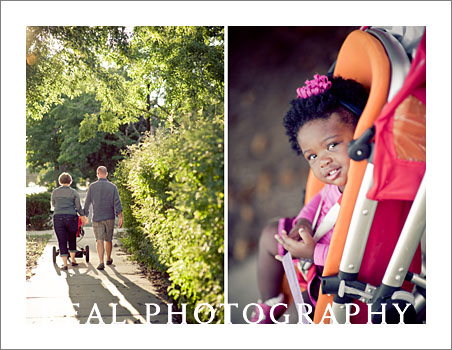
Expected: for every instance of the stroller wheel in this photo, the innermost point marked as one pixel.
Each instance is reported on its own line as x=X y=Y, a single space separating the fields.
x=87 y=253
x=54 y=254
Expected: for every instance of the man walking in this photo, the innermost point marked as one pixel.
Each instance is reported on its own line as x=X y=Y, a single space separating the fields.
x=104 y=197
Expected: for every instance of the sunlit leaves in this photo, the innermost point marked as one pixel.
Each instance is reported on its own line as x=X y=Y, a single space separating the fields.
x=159 y=73
x=73 y=60
x=88 y=127
x=183 y=62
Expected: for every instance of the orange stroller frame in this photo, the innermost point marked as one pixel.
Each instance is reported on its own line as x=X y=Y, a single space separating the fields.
x=352 y=273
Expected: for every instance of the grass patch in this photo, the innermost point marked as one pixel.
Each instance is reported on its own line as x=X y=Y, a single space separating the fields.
x=34 y=249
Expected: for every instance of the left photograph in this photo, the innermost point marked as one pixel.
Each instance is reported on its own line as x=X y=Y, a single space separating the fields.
x=125 y=175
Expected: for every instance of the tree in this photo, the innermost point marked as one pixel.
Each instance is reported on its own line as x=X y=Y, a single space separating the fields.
x=120 y=79
x=69 y=61
x=155 y=73
x=181 y=67
x=53 y=144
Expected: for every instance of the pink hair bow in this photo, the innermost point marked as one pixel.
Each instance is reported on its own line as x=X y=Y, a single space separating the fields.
x=319 y=84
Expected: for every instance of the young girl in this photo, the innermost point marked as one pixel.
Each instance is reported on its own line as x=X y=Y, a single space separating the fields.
x=320 y=125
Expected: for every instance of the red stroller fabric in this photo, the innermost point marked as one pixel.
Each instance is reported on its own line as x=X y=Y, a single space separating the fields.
x=79 y=227
x=402 y=178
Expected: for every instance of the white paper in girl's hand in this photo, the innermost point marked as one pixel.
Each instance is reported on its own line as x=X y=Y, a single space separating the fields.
x=291 y=275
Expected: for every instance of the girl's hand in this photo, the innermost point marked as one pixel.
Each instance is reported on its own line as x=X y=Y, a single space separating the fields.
x=303 y=248
x=305 y=224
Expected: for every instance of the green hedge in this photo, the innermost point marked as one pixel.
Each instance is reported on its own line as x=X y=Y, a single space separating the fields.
x=38 y=211
x=172 y=191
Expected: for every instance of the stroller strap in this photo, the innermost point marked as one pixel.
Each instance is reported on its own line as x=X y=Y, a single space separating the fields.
x=328 y=222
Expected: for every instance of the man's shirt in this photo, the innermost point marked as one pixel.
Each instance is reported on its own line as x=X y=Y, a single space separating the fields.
x=104 y=197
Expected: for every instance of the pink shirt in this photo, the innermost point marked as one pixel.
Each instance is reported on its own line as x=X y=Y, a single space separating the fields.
x=331 y=195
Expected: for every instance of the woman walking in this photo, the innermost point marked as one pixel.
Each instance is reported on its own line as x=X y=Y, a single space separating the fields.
x=66 y=210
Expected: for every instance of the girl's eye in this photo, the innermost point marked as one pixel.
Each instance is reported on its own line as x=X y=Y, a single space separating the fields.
x=312 y=156
x=332 y=145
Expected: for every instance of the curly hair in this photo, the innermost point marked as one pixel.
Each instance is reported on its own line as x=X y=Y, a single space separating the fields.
x=321 y=106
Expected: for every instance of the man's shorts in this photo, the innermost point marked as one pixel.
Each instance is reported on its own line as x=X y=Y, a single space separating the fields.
x=103 y=230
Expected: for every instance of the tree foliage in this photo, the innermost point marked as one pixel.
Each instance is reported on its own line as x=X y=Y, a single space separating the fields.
x=182 y=66
x=146 y=76
x=67 y=61
x=53 y=142
x=158 y=73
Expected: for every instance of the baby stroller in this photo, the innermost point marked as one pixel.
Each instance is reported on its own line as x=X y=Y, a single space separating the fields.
x=377 y=252
x=80 y=252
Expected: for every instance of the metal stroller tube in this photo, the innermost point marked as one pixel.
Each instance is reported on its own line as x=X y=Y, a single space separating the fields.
x=389 y=292
x=355 y=244
x=408 y=242
x=359 y=226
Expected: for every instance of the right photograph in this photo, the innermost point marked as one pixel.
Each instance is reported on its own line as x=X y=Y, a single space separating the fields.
x=326 y=164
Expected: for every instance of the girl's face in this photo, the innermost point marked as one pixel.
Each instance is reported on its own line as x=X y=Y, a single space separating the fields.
x=324 y=145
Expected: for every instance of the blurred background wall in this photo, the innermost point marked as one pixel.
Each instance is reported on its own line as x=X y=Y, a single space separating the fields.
x=266 y=178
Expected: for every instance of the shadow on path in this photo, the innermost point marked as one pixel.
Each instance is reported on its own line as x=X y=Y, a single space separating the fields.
x=81 y=294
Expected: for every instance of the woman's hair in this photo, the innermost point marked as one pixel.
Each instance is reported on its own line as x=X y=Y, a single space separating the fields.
x=65 y=179
x=343 y=92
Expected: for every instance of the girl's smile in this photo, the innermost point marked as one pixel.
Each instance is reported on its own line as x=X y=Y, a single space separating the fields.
x=324 y=145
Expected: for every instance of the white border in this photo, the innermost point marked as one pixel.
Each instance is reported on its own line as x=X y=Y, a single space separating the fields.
x=16 y=15
x=226 y=158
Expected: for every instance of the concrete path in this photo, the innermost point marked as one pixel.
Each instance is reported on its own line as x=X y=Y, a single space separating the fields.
x=81 y=294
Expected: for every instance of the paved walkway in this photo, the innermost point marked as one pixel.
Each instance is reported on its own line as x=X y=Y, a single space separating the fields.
x=118 y=293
